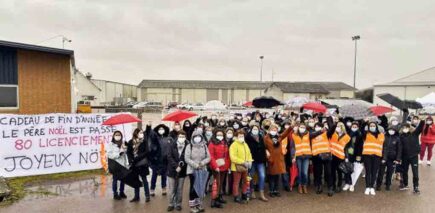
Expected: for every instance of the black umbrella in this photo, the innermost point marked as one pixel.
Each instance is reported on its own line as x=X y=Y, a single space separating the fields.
x=266 y=102
x=398 y=103
x=128 y=176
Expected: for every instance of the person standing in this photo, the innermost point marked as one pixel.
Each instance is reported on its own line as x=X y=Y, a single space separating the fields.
x=258 y=150
x=177 y=168
x=353 y=152
x=219 y=164
x=392 y=154
x=322 y=157
x=339 y=140
x=427 y=140
x=303 y=153
x=372 y=154
x=137 y=152
x=241 y=162
x=116 y=152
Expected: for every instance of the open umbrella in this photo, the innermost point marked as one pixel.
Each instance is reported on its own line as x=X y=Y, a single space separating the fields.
x=179 y=115
x=266 y=102
x=427 y=100
x=355 y=111
x=398 y=103
x=315 y=106
x=248 y=104
x=380 y=110
x=128 y=176
x=121 y=119
x=297 y=102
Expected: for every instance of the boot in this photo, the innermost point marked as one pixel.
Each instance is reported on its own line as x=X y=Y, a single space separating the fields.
x=135 y=200
x=262 y=197
x=319 y=189
x=300 y=190
x=221 y=199
x=237 y=199
x=304 y=189
x=330 y=192
x=122 y=195
x=253 y=196
x=277 y=194
x=216 y=204
x=244 y=198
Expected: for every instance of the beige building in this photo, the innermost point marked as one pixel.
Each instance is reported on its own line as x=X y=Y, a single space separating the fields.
x=407 y=88
x=115 y=93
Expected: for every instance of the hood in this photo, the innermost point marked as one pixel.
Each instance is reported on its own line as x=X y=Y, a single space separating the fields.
x=198 y=133
x=166 y=128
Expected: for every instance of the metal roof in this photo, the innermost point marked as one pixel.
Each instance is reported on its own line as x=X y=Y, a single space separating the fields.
x=423 y=78
x=35 y=48
x=301 y=87
x=331 y=86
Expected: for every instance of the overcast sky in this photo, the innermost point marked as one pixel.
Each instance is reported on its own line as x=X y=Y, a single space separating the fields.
x=301 y=40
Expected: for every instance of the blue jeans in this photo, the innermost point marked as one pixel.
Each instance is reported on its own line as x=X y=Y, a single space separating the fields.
x=146 y=188
x=285 y=180
x=156 y=172
x=258 y=168
x=115 y=186
x=303 y=163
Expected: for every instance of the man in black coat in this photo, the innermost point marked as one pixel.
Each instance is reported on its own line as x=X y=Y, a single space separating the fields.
x=391 y=155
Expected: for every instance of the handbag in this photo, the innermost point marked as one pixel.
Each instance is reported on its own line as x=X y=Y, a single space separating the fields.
x=143 y=162
x=242 y=167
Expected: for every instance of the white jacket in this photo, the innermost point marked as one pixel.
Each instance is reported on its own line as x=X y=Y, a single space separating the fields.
x=113 y=152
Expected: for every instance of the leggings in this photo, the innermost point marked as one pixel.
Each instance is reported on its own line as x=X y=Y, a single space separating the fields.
x=429 y=148
x=371 y=164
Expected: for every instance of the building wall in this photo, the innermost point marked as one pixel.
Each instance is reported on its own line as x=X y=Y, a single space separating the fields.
x=239 y=96
x=402 y=92
x=163 y=95
x=275 y=92
x=44 y=83
x=288 y=96
x=254 y=93
x=347 y=94
x=84 y=87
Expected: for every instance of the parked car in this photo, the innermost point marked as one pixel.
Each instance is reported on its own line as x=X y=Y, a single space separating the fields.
x=235 y=107
x=154 y=105
x=195 y=107
x=130 y=104
x=182 y=106
x=172 y=105
x=140 y=105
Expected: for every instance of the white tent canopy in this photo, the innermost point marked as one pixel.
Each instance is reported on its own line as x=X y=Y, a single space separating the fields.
x=214 y=105
x=427 y=100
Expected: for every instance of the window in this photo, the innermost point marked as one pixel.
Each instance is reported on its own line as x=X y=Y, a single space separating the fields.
x=8 y=78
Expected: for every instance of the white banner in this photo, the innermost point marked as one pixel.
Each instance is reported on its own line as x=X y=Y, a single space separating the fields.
x=53 y=143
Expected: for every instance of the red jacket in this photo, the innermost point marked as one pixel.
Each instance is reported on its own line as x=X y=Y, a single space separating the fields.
x=219 y=150
x=430 y=136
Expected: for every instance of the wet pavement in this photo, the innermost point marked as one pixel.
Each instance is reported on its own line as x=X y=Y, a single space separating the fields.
x=93 y=194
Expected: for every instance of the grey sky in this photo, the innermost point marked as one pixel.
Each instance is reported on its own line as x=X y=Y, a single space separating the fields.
x=221 y=40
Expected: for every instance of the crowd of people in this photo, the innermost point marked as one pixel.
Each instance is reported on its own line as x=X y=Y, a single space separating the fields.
x=238 y=155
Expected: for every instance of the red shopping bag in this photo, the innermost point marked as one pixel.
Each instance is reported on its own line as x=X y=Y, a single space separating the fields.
x=293 y=174
x=214 y=190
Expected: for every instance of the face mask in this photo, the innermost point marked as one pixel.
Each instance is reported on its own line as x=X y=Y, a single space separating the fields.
x=302 y=130
x=229 y=136
x=244 y=123
x=391 y=132
x=318 y=128
x=372 y=129
x=177 y=128
x=197 y=139
x=338 y=130
x=187 y=125
x=161 y=131
x=354 y=129
x=311 y=124
x=213 y=117
x=208 y=133
x=222 y=123
x=255 y=131
x=241 y=139
x=273 y=133
x=429 y=122
x=239 y=118
x=199 y=130
x=140 y=135
x=394 y=123
x=220 y=137
x=405 y=130
x=349 y=124
x=236 y=126
x=286 y=126
x=181 y=139
x=415 y=121
x=206 y=124
x=117 y=138
x=295 y=129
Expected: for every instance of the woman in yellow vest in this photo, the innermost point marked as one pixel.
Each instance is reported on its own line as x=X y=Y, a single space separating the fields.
x=301 y=140
x=322 y=157
x=339 y=140
x=372 y=154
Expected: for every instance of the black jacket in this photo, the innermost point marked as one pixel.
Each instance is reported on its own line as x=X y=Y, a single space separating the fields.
x=356 y=143
x=258 y=149
x=142 y=153
x=392 y=149
x=175 y=159
x=410 y=142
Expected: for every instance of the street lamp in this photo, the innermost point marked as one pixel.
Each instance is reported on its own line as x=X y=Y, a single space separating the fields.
x=355 y=38
x=261 y=68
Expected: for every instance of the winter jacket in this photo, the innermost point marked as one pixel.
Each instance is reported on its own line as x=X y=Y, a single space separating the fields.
x=257 y=148
x=392 y=147
x=197 y=155
x=354 y=148
x=239 y=154
x=176 y=159
x=276 y=162
x=410 y=142
x=142 y=153
x=219 y=150
x=117 y=154
x=428 y=136
x=164 y=141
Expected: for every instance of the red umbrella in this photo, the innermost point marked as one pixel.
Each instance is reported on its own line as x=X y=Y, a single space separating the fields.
x=316 y=107
x=248 y=104
x=293 y=174
x=121 y=119
x=179 y=116
x=380 y=110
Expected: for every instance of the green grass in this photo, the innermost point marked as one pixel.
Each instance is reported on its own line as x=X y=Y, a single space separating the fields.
x=18 y=185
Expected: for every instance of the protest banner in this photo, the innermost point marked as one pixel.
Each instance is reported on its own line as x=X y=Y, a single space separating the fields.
x=53 y=143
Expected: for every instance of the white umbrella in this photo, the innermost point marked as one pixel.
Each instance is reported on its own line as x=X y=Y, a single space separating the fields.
x=297 y=102
x=427 y=100
x=214 y=105
x=357 y=170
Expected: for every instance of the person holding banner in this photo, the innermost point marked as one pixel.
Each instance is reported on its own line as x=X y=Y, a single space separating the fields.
x=116 y=151
x=137 y=152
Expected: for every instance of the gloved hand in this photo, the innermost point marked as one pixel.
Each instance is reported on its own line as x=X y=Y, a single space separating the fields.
x=384 y=161
x=346 y=160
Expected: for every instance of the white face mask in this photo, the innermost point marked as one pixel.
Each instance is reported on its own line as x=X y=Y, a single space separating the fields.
x=236 y=126
x=220 y=137
x=140 y=135
x=229 y=136
x=394 y=123
x=197 y=139
x=372 y=129
x=429 y=122
x=206 y=124
x=391 y=132
x=255 y=131
x=181 y=139
x=301 y=130
x=338 y=130
x=286 y=126
x=354 y=129
x=241 y=139
x=406 y=130
x=222 y=123
x=208 y=133
x=161 y=131
x=244 y=123
x=295 y=129
x=349 y=124
x=311 y=124
x=318 y=128
x=415 y=121
x=273 y=133
x=117 y=138
x=199 y=130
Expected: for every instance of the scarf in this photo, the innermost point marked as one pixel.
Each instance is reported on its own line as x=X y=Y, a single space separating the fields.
x=136 y=143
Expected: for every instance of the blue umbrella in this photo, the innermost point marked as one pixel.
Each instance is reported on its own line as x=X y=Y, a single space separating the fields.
x=201 y=176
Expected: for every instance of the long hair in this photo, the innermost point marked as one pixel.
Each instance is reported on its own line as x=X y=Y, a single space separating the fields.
x=119 y=143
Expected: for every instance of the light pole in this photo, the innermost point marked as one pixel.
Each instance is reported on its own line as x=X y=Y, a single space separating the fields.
x=355 y=38
x=261 y=68
x=64 y=39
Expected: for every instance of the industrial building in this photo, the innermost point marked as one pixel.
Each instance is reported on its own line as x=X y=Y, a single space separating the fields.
x=407 y=88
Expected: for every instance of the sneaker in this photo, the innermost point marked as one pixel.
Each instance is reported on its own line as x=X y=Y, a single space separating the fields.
x=170 y=209
x=346 y=187
x=153 y=193
x=367 y=192
x=122 y=195
x=178 y=208
x=194 y=210
x=372 y=191
x=420 y=162
x=164 y=191
x=147 y=199
x=416 y=190
x=428 y=163
x=352 y=188
x=135 y=200
x=116 y=197
x=403 y=188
